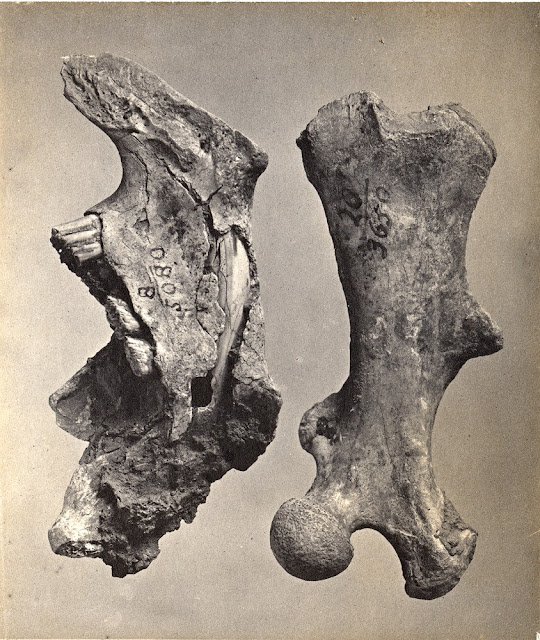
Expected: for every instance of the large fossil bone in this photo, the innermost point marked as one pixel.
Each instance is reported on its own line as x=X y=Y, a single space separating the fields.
x=181 y=394
x=398 y=193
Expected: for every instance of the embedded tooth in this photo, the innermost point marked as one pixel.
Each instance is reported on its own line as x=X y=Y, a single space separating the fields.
x=80 y=238
x=88 y=252
x=234 y=284
x=120 y=317
x=86 y=223
x=139 y=355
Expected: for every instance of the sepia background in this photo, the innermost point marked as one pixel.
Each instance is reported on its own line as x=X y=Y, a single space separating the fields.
x=266 y=69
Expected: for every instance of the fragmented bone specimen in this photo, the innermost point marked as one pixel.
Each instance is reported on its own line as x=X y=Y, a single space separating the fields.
x=181 y=394
x=398 y=193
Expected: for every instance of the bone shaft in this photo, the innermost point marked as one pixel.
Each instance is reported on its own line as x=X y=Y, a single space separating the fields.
x=398 y=193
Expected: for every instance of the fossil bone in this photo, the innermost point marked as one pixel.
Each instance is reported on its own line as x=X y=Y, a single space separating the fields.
x=181 y=394
x=398 y=193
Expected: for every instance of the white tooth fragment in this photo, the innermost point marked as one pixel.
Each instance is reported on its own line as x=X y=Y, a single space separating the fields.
x=120 y=317
x=86 y=223
x=88 y=252
x=139 y=355
x=80 y=238
x=234 y=285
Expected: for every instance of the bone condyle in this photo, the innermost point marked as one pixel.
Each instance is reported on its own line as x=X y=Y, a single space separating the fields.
x=398 y=192
x=181 y=394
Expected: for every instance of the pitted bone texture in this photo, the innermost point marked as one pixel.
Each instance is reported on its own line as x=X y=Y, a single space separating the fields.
x=398 y=193
x=181 y=394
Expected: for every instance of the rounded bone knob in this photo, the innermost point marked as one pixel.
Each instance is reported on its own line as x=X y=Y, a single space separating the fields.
x=309 y=542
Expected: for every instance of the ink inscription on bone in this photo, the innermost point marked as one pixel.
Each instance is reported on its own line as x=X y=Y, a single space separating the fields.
x=365 y=206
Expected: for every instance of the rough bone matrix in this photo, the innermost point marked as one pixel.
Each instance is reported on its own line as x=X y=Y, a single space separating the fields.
x=181 y=394
x=398 y=192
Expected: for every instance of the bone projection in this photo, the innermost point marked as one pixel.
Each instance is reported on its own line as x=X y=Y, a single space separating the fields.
x=181 y=394
x=398 y=193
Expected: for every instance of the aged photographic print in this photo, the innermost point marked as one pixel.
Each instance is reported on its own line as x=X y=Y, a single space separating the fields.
x=218 y=215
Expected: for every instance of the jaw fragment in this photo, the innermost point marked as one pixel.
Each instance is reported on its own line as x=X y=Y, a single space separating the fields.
x=181 y=394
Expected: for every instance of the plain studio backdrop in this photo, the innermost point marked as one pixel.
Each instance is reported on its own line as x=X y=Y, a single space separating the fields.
x=266 y=70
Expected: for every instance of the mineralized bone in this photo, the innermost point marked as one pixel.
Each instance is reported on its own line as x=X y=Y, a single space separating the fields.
x=181 y=394
x=398 y=193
